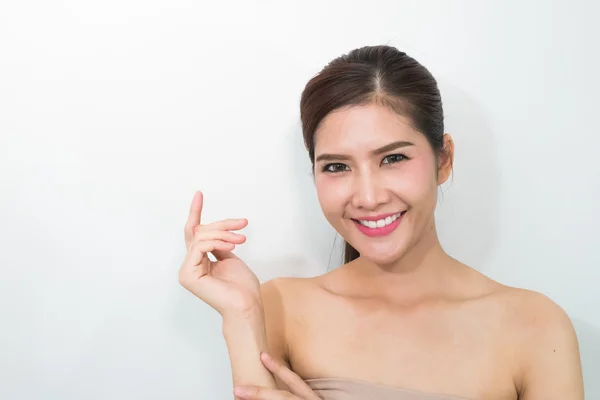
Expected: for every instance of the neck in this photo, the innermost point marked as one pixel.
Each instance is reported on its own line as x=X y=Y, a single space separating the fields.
x=424 y=269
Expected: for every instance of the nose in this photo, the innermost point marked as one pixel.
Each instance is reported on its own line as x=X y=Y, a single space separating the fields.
x=369 y=191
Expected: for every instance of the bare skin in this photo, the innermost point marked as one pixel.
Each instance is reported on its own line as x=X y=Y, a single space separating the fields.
x=481 y=341
x=404 y=314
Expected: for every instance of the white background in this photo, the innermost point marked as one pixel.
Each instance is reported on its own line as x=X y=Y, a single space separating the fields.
x=112 y=113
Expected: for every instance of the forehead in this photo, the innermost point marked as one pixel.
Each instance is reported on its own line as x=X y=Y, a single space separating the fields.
x=363 y=128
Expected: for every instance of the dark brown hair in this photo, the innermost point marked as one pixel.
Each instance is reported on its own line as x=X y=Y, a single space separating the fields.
x=373 y=74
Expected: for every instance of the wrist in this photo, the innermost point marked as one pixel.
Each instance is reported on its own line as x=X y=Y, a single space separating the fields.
x=250 y=318
x=247 y=313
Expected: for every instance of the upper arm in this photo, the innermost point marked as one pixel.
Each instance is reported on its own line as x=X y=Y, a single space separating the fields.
x=274 y=311
x=551 y=364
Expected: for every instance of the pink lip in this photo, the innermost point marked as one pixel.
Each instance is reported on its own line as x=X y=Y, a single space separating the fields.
x=383 y=231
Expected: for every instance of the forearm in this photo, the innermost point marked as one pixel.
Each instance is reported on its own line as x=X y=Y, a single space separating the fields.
x=246 y=337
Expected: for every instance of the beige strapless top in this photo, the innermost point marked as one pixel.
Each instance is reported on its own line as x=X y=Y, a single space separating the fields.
x=347 y=389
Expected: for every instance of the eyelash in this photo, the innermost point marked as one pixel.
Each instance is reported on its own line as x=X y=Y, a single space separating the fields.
x=401 y=156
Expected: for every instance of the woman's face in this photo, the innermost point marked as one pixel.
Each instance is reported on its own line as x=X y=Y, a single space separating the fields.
x=376 y=180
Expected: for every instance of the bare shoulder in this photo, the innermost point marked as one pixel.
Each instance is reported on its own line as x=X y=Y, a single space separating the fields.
x=526 y=310
x=533 y=313
x=531 y=319
x=287 y=291
x=280 y=294
x=545 y=343
x=283 y=299
x=539 y=335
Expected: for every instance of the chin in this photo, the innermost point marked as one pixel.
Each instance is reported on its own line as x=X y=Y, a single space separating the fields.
x=380 y=259
x=383 y=255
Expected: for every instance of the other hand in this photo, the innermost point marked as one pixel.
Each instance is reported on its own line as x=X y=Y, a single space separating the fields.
x=299 y=390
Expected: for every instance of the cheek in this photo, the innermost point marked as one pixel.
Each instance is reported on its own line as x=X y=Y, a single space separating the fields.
x=417 y=183
x=328 y=194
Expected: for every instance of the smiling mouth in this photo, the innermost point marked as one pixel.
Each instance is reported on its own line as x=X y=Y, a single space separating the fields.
x=381 y=222
x=381 y=227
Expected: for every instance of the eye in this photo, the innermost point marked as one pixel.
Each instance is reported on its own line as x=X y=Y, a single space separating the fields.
x=394 y=158
x=335 y=168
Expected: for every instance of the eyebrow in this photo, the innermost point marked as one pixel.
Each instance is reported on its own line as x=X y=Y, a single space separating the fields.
x=384 y=149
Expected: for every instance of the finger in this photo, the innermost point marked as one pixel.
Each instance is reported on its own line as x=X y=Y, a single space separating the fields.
x=198 y=251
x=260 y=393
x=224 y=225
x=225 y=236
x=193 y=269
x=203 y=247
x=221 y=255
x=195 y=214
x=292 y=380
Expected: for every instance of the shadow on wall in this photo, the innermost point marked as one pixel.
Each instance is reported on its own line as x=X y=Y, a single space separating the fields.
x=589 y=347
x=468 y=211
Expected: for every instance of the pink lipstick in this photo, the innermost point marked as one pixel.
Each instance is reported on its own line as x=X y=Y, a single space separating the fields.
x=380 y=230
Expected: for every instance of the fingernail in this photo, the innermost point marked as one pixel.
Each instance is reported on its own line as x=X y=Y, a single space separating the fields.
x=240 y=391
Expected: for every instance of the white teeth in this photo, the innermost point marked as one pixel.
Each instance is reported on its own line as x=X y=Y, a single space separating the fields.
x=380 y=223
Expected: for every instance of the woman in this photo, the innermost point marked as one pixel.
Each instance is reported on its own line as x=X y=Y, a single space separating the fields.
x=401 y=319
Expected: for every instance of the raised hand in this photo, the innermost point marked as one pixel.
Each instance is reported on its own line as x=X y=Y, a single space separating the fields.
x=227 y=284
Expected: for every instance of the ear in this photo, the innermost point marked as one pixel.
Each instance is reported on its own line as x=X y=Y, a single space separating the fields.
x=446 y=159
